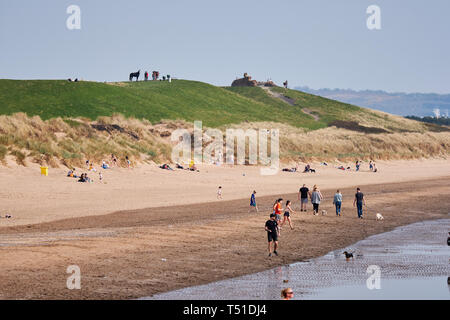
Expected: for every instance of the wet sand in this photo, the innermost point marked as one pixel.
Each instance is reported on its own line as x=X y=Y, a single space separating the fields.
x=138 y=253
x=412 y=261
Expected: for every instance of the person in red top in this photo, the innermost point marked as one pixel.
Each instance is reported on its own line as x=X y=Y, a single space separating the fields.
x=277 y=209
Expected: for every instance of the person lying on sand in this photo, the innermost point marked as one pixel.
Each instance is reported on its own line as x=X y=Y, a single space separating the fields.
x=179 y=166
x=166 y=167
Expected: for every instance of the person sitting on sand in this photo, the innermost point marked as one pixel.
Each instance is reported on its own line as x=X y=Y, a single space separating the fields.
x=71 y=173
x=307 y=168
x=193 y=167
x=105 y=165
x=82 y=178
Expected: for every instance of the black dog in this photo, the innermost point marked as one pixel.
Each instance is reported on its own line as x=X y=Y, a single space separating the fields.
x=135 y=75
x=348 y=255
x=312 y=170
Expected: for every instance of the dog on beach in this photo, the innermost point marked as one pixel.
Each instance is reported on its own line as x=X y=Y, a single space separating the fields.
x=324 y=212
x=312 y=170
x=379 y=217
x=348 y=255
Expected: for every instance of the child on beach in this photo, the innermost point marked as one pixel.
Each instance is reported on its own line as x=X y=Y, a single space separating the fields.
x=272 y=234
x=219 y=193
x=337 y=201
x=287 y=214
x=100 y=177
x=253 y=202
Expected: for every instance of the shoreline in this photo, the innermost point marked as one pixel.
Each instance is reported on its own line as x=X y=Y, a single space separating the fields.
x=139 y=253
x=386 y=250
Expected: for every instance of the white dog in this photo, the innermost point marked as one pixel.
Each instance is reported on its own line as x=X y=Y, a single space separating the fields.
x=379 y=217
x=324 y=212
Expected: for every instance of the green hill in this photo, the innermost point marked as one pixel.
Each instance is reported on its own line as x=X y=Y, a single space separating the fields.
x=181 y=99
x=92 y=120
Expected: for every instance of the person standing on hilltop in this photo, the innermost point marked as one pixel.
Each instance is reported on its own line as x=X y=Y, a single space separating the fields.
x=359 y=202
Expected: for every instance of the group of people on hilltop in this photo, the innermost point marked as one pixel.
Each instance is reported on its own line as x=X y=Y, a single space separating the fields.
x=155 y=76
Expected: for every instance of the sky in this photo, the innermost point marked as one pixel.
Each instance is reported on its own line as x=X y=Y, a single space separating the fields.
x=315 y=43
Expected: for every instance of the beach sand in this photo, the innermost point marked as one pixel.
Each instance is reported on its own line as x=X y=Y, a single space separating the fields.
x=31 y=198
x=149 y=231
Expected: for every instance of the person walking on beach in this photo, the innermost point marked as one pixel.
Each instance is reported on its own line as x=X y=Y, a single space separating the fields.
x=303 y=197
x=287 y=214
x=359 y=202
x=277 y=209
x=219 y=193
x=316 y=197
x=253 y=202
x=337 y=201
x=272 y=234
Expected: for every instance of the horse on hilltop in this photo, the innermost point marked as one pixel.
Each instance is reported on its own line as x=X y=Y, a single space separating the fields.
x=135 y=75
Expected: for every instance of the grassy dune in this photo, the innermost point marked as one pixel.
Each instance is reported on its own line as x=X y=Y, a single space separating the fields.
x=60 y=122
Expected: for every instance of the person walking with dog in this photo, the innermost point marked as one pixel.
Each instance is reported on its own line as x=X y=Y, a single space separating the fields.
x=303 y=197
x=337 y=201
x=359 y=202
x=316 y=197
x=272 y=234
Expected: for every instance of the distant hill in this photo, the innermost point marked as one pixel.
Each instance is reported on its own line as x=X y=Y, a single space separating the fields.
x=417 y=104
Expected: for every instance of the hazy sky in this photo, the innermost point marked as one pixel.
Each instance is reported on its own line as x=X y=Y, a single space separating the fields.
x=318 y=43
